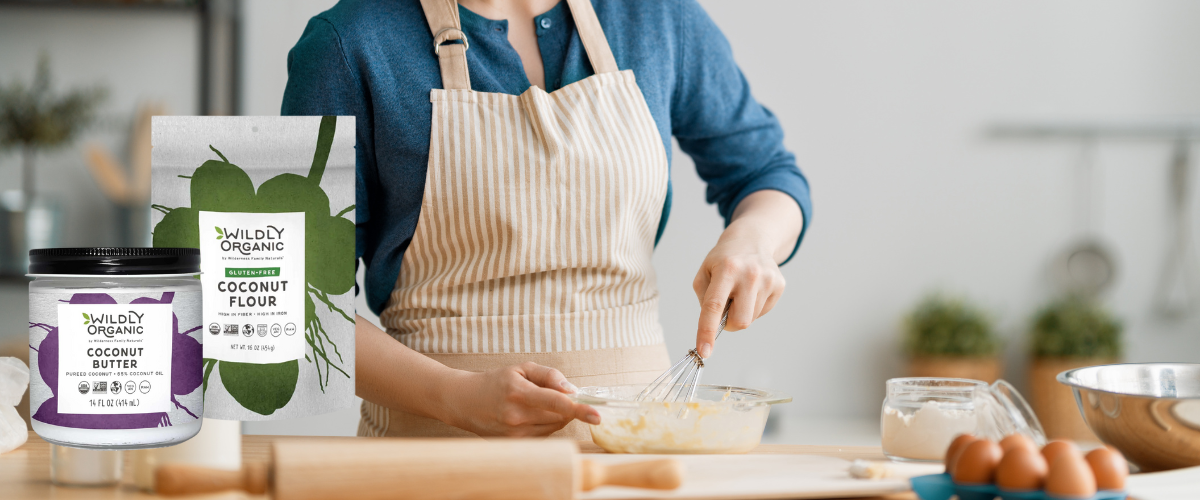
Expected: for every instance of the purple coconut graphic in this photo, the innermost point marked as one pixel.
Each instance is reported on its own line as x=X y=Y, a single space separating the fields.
x=186 y=355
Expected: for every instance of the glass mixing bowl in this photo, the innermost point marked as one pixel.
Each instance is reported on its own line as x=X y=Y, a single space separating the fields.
x=720 y=419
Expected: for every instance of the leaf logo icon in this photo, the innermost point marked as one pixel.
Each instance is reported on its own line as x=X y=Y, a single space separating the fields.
x=220 y=233
x=87 y=320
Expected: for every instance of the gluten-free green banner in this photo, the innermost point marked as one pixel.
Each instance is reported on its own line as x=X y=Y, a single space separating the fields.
x=251 y=272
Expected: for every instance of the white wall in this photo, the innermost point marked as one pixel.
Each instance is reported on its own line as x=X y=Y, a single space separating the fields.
x=886 y=106
x=269 y=30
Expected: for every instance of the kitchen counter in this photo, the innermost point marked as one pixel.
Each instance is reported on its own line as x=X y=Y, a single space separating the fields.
x=25 y=472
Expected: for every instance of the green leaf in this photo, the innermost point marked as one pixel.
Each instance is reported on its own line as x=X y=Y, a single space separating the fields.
x=209 y=363
x=87 y=319
x=220 y=233
x=210 y=146
x=180 y=228
x=260 y=388
x=324 y=144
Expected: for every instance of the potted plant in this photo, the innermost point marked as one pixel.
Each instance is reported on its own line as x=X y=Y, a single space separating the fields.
x=1069 y=333
x=34 y=118
x=949 y=337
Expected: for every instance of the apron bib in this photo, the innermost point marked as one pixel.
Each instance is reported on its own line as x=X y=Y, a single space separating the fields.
x=536 y=230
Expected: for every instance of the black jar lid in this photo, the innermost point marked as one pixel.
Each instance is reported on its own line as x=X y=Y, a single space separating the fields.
x=114 y=261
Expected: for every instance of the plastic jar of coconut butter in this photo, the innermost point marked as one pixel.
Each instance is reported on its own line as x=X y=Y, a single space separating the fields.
x=114 y=346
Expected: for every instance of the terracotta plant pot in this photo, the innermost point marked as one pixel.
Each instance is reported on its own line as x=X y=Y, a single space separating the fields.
x=985 y=369
x=1054 y=403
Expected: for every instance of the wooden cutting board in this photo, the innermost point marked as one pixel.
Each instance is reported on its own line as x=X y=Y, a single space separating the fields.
x=752 y=477
x=25 y=473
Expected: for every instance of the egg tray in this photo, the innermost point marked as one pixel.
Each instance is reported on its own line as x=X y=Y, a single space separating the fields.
x=941 y=487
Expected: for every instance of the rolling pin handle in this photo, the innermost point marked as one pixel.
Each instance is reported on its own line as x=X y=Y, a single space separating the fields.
x=665 y=474
x=176 y=480
x=256 y=477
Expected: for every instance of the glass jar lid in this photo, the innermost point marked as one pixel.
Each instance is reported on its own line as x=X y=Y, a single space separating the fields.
x=114 y=261
x=1004 y=411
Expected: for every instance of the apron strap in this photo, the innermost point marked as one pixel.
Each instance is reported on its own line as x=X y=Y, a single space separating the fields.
x=594 y=42
x=445 y=25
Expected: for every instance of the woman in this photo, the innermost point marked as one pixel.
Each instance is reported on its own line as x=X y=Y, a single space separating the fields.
x=512 y=182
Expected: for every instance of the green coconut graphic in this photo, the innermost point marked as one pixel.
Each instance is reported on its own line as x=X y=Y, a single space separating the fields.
x=221 y=186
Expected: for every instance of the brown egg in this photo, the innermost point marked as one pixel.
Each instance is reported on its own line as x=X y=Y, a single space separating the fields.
x=1013 y=440
x=1069 y=476
x=1021 y=469
x=977 y=462
x=1054 y=448
x=956 y=447
x=1110 y=468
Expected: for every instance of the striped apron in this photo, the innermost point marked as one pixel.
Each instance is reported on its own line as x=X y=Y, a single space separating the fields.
x=536 y=229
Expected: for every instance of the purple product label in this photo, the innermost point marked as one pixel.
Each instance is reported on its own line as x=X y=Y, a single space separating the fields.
x=115 y=361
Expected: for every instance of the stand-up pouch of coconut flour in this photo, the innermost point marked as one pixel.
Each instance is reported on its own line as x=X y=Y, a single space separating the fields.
x=269 y=201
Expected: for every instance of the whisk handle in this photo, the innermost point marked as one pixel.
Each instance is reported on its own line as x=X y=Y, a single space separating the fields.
x=724 y=318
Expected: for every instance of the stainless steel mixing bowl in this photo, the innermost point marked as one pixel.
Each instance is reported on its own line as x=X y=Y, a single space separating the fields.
x=1149 y=411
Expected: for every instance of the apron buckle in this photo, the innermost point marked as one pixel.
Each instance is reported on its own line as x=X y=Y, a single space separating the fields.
x=447 y=34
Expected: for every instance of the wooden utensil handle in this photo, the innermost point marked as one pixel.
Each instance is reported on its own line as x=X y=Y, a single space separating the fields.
x=173 y=480
x=665 y=474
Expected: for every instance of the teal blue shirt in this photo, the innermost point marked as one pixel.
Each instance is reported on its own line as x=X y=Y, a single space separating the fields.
x=374 y=59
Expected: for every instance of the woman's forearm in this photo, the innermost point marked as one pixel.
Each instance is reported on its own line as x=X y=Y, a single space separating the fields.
x=769 y=218
x=518 y=401
x=741 y=273
x=390 y=374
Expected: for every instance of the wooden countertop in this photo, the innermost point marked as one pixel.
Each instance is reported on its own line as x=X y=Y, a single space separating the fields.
x=25 y=472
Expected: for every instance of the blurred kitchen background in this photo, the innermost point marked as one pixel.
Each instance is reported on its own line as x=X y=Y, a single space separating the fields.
x=960 y=148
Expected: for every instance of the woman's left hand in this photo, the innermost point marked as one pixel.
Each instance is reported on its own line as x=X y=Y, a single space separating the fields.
x=743 y=266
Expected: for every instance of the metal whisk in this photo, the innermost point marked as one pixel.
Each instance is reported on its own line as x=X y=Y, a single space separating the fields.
x=683 y=377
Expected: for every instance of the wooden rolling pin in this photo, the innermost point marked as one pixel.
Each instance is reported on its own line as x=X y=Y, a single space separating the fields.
x=420 y=469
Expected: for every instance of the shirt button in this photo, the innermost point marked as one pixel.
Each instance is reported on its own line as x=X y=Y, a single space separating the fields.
x=546 y=23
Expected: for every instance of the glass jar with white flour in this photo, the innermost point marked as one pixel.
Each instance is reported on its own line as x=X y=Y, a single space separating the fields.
x=114 y=341
x=921 y=416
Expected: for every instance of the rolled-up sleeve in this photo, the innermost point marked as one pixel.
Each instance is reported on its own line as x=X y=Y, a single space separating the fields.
x=735 y=142
x=321 y=82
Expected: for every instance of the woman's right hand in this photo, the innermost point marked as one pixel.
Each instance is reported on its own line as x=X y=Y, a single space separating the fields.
x=515 y=401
